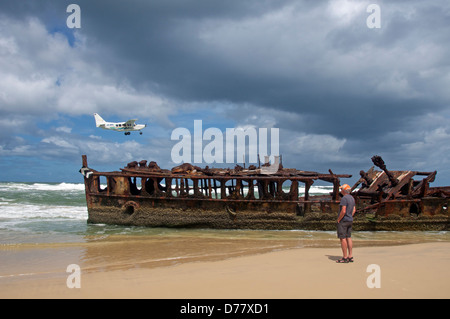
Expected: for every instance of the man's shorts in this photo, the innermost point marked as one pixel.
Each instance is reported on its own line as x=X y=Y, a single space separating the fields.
x=344 y=229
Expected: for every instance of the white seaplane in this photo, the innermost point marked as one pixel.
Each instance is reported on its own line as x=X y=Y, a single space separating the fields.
x=126 y=127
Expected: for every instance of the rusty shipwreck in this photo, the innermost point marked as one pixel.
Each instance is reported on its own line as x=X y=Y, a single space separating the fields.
x=142 y=194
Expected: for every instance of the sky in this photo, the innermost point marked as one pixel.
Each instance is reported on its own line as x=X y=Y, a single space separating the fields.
x=338 y=91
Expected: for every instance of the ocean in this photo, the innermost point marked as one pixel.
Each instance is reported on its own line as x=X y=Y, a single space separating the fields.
x=54 y=215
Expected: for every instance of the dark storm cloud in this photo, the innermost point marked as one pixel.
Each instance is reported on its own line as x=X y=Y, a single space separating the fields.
x=160 y=44
x=156 y=43
x=312 y=68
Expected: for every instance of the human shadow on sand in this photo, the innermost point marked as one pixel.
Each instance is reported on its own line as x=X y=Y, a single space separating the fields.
x=333 y=258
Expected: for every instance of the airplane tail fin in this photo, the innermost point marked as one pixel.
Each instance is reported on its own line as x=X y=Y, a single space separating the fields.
x=98 y=120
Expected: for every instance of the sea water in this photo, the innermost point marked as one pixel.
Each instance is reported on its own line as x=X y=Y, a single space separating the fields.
x=56 y=212
x=54 y=215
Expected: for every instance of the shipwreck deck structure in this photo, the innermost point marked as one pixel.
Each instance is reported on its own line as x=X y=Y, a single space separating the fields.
x=399 y=193
x=190 y=196
x=143 y=194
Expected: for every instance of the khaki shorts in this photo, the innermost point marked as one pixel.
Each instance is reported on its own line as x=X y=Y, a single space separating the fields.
x=344 y=229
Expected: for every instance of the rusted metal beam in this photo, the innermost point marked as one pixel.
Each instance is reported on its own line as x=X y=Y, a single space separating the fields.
x=378 y=161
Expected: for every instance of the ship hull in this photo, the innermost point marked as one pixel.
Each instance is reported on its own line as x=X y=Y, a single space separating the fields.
x=270 y=215
x=199 y=213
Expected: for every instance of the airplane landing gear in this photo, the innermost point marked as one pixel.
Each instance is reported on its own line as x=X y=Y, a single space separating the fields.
x=127 y=133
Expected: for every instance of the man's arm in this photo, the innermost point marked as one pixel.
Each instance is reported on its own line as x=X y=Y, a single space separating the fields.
x=342 y=214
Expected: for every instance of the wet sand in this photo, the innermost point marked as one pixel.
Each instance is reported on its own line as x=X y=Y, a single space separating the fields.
x=406 y=271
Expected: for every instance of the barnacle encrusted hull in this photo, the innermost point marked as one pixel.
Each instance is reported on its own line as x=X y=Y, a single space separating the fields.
x=146 y=215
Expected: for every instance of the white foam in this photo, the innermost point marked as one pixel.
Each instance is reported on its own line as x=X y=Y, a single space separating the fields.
x=317 y=189
x=41 y=187
x=301 y=189
x=27 y=211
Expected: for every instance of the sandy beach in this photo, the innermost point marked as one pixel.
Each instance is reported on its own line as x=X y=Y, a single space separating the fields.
x=405 y=271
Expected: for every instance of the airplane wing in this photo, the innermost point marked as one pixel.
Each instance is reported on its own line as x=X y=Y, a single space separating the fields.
x=130 y=122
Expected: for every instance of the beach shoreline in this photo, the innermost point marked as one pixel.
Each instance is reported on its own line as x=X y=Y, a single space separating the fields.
x=405 y=271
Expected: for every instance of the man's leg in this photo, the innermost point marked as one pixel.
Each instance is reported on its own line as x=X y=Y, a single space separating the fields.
x=349 y=246
x=344 y=246
x=349 y=241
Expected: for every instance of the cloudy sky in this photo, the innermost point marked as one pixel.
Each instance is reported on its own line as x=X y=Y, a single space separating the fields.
x=339 y=91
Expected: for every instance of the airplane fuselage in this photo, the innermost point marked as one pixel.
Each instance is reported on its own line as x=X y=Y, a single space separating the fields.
x=126 y=127
x=122 y=127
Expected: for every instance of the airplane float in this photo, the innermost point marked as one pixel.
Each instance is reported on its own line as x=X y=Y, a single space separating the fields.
x=126 y=127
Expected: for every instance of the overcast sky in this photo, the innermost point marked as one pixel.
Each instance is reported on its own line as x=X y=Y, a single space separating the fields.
x=339 y=91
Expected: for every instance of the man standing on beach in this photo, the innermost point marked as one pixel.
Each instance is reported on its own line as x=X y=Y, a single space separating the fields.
x=345 y=220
